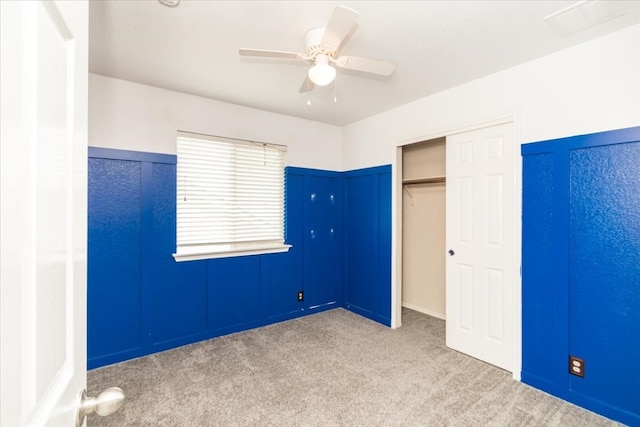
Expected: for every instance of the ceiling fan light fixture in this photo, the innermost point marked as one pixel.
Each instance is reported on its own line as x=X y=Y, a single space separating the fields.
x=169 y=3
x=322 y=46
x=322 y=73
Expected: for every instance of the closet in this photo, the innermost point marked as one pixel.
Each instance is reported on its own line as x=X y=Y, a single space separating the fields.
x=423 y=227
x=459 y=245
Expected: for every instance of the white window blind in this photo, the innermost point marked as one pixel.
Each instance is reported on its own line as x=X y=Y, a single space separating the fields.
x=230 y=197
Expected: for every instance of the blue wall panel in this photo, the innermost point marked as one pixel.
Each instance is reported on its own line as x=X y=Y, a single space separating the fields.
x=161 y=304
x=604 y=266
x=284 y=273
x=581 y=269
x=361 y=241
x=537 y=266
x=283 y=278
x=113 y=267
x=324 y=238
x=177 y=292
x=382 y=294
x=368 y=242
x=235 y=292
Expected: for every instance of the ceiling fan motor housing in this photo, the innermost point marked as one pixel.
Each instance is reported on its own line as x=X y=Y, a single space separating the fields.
x=312 y=44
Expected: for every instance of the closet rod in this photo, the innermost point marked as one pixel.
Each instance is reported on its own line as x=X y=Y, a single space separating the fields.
x=434 y=180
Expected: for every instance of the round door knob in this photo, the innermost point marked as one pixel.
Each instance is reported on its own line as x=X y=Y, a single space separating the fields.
x=451 y=252
x=107 y=402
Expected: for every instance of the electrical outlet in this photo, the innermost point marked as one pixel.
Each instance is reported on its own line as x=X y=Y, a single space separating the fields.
x=576 y=366
x=300 y=295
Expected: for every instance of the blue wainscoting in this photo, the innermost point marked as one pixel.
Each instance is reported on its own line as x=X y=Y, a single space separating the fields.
x=368 y=242
x=140 y=301
x=581 y=270
x=114 y=257
x=323 y=237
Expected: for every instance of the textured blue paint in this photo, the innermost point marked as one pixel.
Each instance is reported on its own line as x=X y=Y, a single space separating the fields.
x=160 y=304
x=134 y=156
x=284 y=273
x=176 y=291
x=581 y=253
x=367 y=242
x=383 y=273
x=604 y=265
x=235 y=291
x=361 y=240
x=113 y=266
x=323 y=237
x=537 y=266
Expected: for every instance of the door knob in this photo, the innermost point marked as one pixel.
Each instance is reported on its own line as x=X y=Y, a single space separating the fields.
x=107 y=402
x=451 y=252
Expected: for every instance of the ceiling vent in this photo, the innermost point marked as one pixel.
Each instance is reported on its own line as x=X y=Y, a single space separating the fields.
x=583 y=15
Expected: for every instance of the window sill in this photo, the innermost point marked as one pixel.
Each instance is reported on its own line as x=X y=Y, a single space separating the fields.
x=201 y=253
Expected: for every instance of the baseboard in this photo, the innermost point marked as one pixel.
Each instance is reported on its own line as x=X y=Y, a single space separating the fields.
x=368 y=314
x=425 y=311
x=605 y=409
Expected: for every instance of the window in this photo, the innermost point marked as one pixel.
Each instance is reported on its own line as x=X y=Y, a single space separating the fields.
x=230 y=197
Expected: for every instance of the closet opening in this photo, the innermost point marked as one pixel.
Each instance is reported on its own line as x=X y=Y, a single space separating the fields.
x=424 y=227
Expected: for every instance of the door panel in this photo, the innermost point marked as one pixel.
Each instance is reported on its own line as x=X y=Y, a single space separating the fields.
x=44 y=213
x=480 y=232
x=465 y=297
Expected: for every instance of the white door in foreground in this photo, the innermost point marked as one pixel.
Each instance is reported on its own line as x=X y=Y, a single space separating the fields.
x=480 y=243
x=43 y=210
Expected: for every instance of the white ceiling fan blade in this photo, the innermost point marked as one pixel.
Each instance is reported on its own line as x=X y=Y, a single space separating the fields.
x=307 y=85
x=270 y=54
x=339 y=26
x=366 y=65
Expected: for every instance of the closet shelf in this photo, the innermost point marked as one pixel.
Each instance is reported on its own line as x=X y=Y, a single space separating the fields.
x=430 y=180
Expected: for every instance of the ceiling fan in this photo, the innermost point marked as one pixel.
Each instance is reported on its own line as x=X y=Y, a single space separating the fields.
x=322 y=46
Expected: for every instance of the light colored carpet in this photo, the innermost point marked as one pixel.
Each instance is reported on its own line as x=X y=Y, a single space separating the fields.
x=330 y=369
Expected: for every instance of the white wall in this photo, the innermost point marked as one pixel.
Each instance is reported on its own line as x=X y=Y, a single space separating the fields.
x=589 y=88
x=130 y=116
x=592 y=87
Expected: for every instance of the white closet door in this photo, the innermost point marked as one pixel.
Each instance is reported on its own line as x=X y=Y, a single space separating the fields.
x=480 y=242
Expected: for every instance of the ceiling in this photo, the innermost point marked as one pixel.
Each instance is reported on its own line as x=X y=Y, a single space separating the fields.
x=193 y=48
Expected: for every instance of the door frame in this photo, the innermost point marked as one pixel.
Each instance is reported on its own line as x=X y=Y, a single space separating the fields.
x=396 y=224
